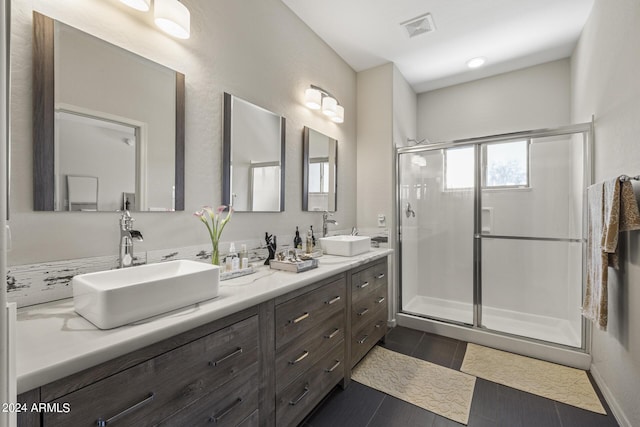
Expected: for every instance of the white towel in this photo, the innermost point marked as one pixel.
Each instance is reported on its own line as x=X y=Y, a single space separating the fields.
x=612 y=208
x=596 y=259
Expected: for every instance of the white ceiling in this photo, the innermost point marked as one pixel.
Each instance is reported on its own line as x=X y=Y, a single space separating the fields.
x=510 y=34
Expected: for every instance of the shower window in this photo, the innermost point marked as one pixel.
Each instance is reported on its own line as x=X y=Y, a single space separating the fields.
x=505 y=165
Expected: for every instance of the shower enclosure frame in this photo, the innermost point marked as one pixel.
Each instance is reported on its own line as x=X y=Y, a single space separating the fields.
x=587 y=130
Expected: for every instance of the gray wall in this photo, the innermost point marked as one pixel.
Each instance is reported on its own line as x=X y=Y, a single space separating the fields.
x=269 y=62
x=605 y=83
x=386 y=118
x=531 y=98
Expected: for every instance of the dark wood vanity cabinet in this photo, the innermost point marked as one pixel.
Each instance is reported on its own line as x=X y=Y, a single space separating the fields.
x=201 y=380
x=268 y=365
x=310 y=350
x=369 y=310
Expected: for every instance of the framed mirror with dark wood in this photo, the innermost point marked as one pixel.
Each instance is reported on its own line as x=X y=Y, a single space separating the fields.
x=319 y=172
x=108 y=125
x=253 y=153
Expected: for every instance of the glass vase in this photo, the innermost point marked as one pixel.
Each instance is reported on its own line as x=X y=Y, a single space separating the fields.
x=215 y=257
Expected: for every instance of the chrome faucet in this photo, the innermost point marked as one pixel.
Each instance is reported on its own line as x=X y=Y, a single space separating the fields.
x=326 y=221
x=127 y=236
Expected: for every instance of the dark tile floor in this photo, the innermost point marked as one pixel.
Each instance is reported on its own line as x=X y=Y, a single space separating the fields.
x=493 y=405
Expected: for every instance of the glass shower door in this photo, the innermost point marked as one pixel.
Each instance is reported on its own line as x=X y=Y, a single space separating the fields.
x=436 y=196
x=532 y=238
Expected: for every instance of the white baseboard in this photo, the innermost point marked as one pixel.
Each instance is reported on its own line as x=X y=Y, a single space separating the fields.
x=618 y=413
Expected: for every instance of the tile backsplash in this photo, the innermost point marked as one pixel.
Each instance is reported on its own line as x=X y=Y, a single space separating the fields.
x=31 y=284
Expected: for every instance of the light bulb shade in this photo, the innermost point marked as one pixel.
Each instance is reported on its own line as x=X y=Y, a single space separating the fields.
x=476 y=62
x=173 y=18
x=339 y=117
x=141 y=5
x=313 y=98
x=329 y=105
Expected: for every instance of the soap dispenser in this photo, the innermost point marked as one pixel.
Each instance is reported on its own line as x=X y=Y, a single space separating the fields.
x=313 y=238
x=244 y=257
x=297 y=241
x=232 y=261
x=309 y=241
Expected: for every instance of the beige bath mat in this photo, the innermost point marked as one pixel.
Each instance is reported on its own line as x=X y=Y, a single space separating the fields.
x=437 y=389
x=556 y=382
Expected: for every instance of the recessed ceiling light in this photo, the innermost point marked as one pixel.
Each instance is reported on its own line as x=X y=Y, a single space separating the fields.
x=476 y=62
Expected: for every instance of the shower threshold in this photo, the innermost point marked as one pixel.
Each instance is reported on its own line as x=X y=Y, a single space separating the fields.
x=543 y=328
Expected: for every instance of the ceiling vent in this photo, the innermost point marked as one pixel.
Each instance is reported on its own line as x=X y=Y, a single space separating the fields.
x=419 y=25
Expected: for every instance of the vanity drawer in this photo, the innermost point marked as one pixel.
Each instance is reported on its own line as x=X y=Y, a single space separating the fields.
x=160 y=387
x=308 y=311
x=367 y=309
x=306 y=391
x=364 y=339
x=298 y=355
x=368 y=281
x=229 y=405
x=252 y=420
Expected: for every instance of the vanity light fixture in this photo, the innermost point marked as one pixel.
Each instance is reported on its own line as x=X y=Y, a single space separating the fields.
x=329 y=106
x=339 y=116
x=317 y=98
x=313 y=98
x=173 y=18
x=141 y=5
x=476 y=62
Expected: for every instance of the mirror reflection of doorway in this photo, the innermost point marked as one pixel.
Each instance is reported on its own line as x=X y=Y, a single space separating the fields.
x=91 y=149
x=265 y=186
x=82 y=193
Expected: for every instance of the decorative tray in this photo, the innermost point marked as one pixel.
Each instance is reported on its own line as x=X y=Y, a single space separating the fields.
x=296 y=267
x=226 y=275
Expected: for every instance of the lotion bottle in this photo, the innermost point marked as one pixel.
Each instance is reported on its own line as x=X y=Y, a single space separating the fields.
x=232 y=259
x=244 y=257
x=309 y=241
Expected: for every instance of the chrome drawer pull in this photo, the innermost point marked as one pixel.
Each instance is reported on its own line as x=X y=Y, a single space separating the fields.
x=332 y=301
x=363 y=285
x=300 y=319
x=104 y=423
x=380 y=276
x=227 y=357
x=216 y=418
x=333 y=368
x=332 y=334
x=363 y=339
x=300 y=358
x=304 y=393
x=380 y=300
x=363 y=312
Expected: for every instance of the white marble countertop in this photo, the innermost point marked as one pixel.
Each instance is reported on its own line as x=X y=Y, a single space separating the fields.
x=53 y=341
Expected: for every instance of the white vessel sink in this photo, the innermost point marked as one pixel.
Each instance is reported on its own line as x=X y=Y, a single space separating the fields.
x=345 y=245
x=113 y=298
